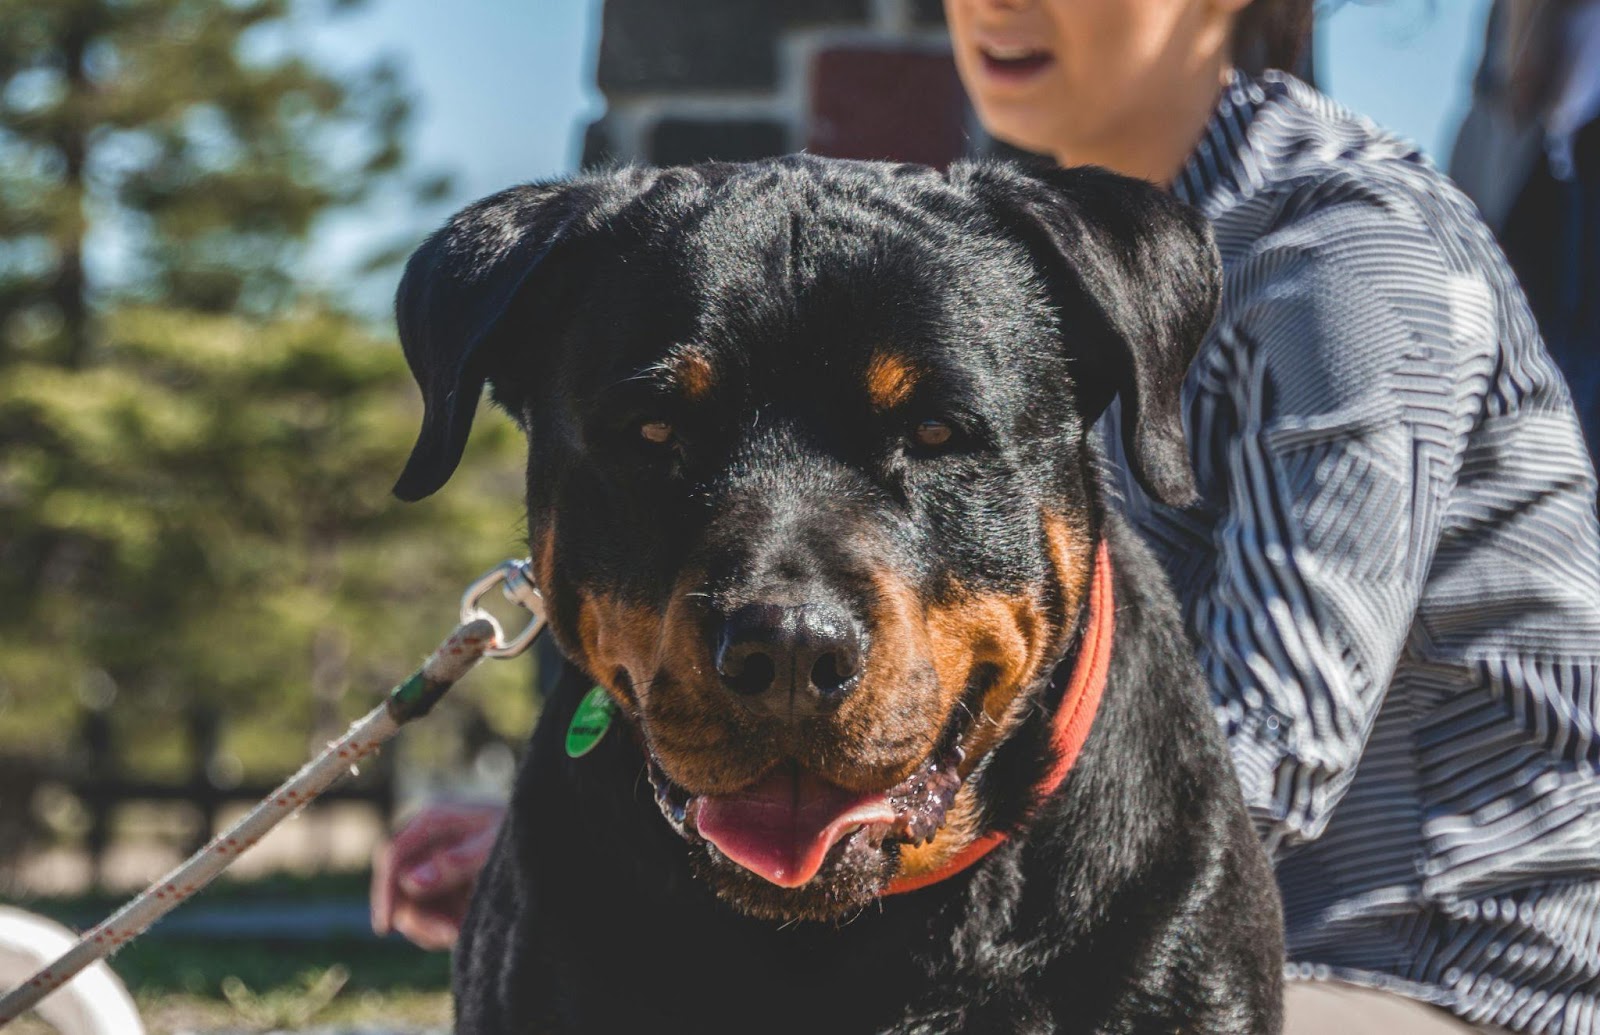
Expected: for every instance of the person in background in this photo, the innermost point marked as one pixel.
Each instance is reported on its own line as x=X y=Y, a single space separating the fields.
x=1393 y=577
x=1529 y=154
x=1392 y=580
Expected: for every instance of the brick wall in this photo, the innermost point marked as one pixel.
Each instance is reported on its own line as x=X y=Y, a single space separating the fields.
x=686 y=80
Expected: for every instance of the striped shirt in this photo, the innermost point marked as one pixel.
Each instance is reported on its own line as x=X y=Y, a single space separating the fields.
x=1393 y=580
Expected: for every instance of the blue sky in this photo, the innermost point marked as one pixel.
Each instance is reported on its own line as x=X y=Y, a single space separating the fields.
x=1405 y=63
x=505 y=87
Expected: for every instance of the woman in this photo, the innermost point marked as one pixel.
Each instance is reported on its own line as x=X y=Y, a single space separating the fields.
x=1395 y=562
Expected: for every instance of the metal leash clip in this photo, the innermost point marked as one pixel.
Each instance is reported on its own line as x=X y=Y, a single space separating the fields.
x=515 y=579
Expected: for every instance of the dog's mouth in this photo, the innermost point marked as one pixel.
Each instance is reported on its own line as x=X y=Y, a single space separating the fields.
x=784 y=827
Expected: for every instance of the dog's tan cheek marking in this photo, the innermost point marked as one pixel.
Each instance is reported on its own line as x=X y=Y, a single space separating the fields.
x=542 y=551
x=1071 y=550
x=890 y=381
x=897 y=704
x=972 y=629
x=1019 y=635
x=691 y=722
x=683 y=650
x=1022 y=634
x=618 y=641
x=1006 y=633
x=544 y=555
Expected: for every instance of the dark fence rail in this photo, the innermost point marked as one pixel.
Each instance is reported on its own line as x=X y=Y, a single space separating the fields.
x=95 y=775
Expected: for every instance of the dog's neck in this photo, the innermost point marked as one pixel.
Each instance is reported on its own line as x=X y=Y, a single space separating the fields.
x=1074 y=717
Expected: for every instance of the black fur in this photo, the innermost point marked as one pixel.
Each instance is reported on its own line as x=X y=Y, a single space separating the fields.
x=1135 y=899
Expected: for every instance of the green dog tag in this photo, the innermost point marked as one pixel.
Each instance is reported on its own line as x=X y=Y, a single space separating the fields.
x=590 y=722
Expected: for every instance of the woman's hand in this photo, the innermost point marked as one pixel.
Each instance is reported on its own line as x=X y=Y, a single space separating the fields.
x=423 y=879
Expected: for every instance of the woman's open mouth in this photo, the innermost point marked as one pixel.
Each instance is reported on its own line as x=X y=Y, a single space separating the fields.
x=783 y=827
x=1014 y=63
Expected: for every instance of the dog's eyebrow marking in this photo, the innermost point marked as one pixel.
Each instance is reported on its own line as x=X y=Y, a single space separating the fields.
x=689 y=368
x=890 y=380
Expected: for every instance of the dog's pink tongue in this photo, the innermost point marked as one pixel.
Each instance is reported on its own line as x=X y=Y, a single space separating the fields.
x=781 y=828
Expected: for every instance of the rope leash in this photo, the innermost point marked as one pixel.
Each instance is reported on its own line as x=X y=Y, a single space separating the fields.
x=478 y=636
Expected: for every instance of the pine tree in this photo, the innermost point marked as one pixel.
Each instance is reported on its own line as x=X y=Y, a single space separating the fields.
x=195 y=446
x=178 y=130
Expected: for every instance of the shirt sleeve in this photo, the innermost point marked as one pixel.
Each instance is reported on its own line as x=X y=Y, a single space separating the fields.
x=1328 y=419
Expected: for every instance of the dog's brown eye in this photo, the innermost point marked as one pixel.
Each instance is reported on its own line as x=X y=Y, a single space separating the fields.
x=657 y=431
x=932 y=433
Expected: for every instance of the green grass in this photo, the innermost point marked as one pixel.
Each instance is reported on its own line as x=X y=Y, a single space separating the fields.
x=204 y=968
x=190 y=982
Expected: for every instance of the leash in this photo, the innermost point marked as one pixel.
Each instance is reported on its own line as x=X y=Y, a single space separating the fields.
x=478 y=636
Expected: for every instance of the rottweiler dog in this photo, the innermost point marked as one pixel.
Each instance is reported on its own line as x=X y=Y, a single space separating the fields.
x=907 y=736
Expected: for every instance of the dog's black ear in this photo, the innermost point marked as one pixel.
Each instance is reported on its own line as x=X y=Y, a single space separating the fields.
x=458 y=289
x=1147 y=266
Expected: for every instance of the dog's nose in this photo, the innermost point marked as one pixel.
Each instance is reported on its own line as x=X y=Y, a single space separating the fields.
x=804 y=657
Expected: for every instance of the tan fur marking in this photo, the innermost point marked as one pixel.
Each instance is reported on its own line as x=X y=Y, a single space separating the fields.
x=694 y=728
x=694 y=374
x=616 y=636
x=1072 y=557
x=544 y=557
x=1009 y=633
x=895 y=715
x=1019 y=635
x=890 y=381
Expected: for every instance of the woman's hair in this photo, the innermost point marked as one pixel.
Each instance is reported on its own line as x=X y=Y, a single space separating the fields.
x=1271 y=34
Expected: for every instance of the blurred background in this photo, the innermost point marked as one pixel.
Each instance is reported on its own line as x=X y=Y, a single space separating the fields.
x=203 y=205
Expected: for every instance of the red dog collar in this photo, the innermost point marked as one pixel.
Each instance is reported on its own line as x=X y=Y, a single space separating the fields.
x=1079 y=702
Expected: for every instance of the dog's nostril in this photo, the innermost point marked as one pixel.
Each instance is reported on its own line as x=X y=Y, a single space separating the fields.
x=750 y=673
x=745 y=658
x=830 y=672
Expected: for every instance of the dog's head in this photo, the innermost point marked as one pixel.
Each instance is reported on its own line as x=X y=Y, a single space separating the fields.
x=808 y=477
